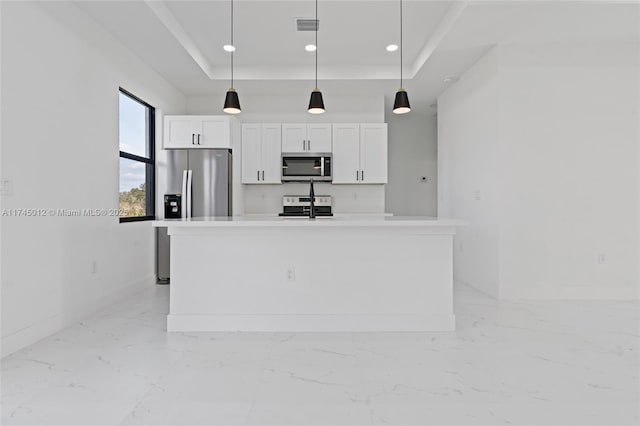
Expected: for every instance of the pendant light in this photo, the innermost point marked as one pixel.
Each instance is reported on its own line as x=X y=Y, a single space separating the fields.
x=231 y=101
x=401 y=104
x=316 y=104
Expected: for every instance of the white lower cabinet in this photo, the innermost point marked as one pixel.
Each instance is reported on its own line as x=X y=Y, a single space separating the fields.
x=261 y=153
x=360 y=153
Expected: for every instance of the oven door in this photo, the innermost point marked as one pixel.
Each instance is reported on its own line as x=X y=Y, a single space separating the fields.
x=305 y=166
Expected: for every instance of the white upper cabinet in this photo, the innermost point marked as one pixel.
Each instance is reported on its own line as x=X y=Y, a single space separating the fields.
x=261 y=149
x=294 y=137
x=197 y=131
x=346 y=153
x=271 y=153
x=373 y=153
x=360 y=153
x=319 y=137
x=306 y=138
x=251 y=153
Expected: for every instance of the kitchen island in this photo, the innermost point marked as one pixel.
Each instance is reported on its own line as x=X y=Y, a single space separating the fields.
x=342 y=273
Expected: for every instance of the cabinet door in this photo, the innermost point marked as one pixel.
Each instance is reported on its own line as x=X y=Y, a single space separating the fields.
x=346 y=153
x=178 y=131
x=294 y=137
x=271 y=153
x=214 y=132
x=251 y=153
x=373 y=153
x=319 y=137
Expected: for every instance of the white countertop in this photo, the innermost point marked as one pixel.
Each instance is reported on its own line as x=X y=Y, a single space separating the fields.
x=331 y=221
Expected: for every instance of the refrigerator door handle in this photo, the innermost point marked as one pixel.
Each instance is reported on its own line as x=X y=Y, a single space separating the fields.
x=183 y=212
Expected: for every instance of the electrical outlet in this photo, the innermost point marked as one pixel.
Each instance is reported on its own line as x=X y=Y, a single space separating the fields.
x=6 y=187
x=477 y=195
x=602 y=258
x=291 y=274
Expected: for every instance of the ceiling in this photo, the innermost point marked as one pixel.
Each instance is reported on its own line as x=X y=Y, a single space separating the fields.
x=182 y=40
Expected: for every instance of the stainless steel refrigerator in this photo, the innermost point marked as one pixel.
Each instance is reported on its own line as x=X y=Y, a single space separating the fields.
x=203 y=179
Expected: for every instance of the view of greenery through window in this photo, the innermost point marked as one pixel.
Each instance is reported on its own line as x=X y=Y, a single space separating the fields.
x=136 y=158
x=134 y=202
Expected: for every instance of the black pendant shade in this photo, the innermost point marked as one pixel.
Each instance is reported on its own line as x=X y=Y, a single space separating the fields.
x=316 y=104
x=401 y=104
x=232 y=102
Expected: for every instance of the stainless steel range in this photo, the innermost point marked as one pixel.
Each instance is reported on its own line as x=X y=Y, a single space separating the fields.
x=298 y=205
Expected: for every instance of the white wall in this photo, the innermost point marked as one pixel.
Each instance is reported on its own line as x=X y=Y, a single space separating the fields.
x=291 y=108
x=469 y=183
x=567 y=170
x=412 y=154
x=60 y=149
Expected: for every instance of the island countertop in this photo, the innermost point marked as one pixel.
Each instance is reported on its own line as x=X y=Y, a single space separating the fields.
x=355 y=220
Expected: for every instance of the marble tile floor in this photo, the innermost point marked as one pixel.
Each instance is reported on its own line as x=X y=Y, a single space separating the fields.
x=508 y=363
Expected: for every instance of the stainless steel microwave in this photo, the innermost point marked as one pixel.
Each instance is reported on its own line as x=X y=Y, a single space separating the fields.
x=303 y=166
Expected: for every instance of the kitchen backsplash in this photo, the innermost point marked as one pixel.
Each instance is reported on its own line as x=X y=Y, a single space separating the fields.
x=346 y=198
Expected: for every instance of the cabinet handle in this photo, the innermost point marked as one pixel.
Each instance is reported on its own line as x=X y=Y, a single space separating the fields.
x=357 y=175
x=263 y=175
x=193 y=142
x=258 y=172
x=304 y=145
x=198 y=138
x=362 y=175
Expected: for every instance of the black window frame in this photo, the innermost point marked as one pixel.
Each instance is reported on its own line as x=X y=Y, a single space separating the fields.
x=150 y=175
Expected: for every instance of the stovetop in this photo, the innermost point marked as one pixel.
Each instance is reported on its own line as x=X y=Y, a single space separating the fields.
x=300 y=214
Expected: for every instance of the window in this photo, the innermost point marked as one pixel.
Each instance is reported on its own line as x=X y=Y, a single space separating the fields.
x=137 y=162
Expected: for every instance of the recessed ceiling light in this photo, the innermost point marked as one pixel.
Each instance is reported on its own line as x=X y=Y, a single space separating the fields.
x=392 y=48
x=229 y=48
x=310 y=48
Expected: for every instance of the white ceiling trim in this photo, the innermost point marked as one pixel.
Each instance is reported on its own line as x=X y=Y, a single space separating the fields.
x=297 y=72
x=442 y=29
x=176 y=30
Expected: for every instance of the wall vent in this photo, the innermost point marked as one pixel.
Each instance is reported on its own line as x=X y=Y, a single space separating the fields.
x=307 y=24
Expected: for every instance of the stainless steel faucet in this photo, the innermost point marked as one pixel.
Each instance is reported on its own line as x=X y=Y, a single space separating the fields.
x=312 y=199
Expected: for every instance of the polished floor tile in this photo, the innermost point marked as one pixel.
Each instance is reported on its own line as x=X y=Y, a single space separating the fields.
x=519 y=363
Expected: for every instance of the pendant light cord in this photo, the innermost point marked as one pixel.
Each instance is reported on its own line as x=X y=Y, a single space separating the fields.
x=232 y=45
x=316 y=44
x=401 y=44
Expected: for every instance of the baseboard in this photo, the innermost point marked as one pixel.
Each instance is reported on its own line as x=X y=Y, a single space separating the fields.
x=311 y=323
x=566 y=292
x=45 y=328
